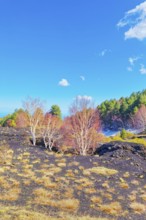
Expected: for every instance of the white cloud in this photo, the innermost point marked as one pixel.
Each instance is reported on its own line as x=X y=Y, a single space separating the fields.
x=142 y=69
x=82 y=78
x=136 y=19
x=63 y=82
x=132 y=60
x=103 y=52
x=89 y=98
x=129 y=68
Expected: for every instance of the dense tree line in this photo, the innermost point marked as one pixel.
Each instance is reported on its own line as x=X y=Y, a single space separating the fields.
x=117 y=114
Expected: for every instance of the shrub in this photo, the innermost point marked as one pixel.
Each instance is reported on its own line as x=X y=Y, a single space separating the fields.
x=126 y=134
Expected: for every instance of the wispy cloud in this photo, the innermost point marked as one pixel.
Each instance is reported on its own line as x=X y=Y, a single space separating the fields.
x=129 y=68
x=136 y=20
x=132 y=60
x=82 y=78
x=85 y=97
x=104 y=52
x=142 y=69
x=63 y=82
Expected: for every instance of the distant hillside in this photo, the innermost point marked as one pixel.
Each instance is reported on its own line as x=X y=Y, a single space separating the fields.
x=117 y=114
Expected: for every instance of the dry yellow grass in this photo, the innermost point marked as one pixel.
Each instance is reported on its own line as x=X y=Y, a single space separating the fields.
x=69 y=173
x=11 y=194
x=102 y=171
x=69 y=193
x=124 y=185
x=42 y=192
x=42 y=197
x=90 y=190
x=6 y=154
x=50 y=185
x=60 y=160
x=61 y=164
x=36 y=161
x=26 y=153
x=135 y=182
x=106 y=185
x=84 y=183
x=28 y=166
x=25 y=161
x=138 y=208
x=17 y=213
x=86 y=172
x=4 y=183
x=126 y=174
x=132 y=197
x=2 y=169
x=143 y=196
x=14 y=170
x=14 y=182
x=107 y=195
x=26 y=182
x=69 y=205
x=81 y=168
x=113 y=208
x=96 y=199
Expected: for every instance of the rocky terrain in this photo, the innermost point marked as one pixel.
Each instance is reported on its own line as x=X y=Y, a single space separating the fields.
x=38 y=184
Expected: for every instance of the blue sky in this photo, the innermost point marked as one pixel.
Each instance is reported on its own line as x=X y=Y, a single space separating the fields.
x=60 y=49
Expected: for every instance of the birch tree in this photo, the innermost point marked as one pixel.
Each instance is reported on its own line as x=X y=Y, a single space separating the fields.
x=34 y=109
x=84 y=124
x=51 y=130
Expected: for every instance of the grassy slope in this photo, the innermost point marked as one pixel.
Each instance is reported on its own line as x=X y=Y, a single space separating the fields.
x=37 y=184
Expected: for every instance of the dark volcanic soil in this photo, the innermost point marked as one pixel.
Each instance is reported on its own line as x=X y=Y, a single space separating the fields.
x=110 y=184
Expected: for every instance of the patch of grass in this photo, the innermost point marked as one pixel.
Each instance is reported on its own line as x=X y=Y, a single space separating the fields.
x=18 y=213
x=2 y=169
x=90 y=190
x=14 y=182
x=6 y=154
x=26 y=182
x=42 y=197
x=143 y=196
x=106 y=185
x=135 y=182
x=138 y=141
x=126 y=174
x=96 y=199
x=36 y=161
x=69 y=193
x=102 y=171
x=124 y=185
x=107 y=195
x=50 y=185
x=61 y=164
x=132 y=197
x=4 y=183
x=69 y=173
x=26 y=153
x=70 y=205
x=86 y=172
x=138 y=208
x=11 y=194
x=113 y=208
